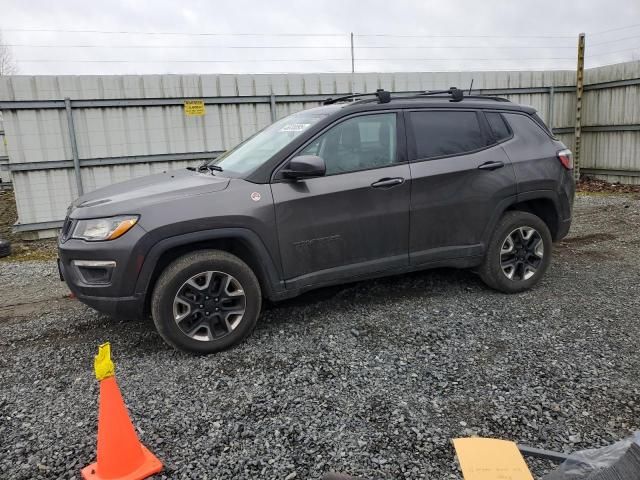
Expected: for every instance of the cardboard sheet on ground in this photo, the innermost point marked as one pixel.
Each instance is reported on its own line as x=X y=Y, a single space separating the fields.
x=490 y=459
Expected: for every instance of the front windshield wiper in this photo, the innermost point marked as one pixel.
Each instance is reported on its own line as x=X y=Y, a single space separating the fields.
x=204 y=167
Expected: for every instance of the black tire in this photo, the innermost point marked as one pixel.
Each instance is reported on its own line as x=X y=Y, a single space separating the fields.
x=173 y=281
x=491 y=271
x=5 y=248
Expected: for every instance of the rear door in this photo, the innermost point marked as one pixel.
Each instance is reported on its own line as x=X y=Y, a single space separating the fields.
x=461 y=179
x=354 y=220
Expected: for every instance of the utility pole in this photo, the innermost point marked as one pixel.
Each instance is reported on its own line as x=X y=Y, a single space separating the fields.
x=353 y=66
x=579 y=91
x=353 y=61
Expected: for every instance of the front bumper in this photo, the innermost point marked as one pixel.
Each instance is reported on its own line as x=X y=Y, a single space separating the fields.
x=127 y=307
x=115 y=293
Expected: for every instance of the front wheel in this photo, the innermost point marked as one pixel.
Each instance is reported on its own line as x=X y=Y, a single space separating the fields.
x=518 y=253
x=206 y=301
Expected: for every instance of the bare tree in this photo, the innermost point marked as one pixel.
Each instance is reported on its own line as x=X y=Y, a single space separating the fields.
x=7 y=62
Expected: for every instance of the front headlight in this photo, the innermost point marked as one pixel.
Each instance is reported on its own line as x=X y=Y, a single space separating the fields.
x=97 y=229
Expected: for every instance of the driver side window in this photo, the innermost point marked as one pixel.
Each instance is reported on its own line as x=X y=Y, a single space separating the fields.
x=360 y=143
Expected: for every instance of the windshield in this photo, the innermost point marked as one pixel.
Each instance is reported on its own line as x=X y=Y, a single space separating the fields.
x=259 y=148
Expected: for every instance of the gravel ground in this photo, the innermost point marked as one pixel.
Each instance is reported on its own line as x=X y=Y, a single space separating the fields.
x=372 y=379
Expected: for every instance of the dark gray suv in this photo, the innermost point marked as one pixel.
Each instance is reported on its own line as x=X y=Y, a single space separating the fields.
x=347 y=191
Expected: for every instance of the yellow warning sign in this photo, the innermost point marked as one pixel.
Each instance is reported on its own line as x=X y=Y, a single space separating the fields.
x=194 y=108
x=490 y=459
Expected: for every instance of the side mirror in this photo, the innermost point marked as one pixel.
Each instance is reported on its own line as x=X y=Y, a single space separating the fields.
x=305 y=166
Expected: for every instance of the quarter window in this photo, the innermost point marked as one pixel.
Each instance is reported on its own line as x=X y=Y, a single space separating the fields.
x=438 y=133
x=498 y=126
x=360 y=143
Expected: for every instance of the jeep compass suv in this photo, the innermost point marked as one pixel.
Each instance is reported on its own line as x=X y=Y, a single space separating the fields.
x=346 y=191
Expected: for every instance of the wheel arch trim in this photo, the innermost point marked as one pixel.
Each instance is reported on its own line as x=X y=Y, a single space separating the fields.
x=267 y=271
x=510 y=201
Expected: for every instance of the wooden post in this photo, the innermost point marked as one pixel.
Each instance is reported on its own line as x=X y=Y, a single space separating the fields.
x=579 y=91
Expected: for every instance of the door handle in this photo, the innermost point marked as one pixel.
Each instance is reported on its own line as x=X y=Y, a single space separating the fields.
x=388 y=182
x=491 y=165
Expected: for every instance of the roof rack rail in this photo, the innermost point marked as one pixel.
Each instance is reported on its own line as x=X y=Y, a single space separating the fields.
x=458 y=95
x=488 y=97
x=382 y=95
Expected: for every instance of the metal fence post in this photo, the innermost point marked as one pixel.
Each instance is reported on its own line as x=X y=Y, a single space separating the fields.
x=550 y=114
x=74 y=145
x=272 y=103
x=579 y=91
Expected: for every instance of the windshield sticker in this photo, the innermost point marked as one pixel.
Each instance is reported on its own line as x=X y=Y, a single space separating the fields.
x=295 y=127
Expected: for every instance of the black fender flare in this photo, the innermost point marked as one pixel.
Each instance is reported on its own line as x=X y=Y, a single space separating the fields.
x=268 y=272
x=504 y=205
x=546 y=194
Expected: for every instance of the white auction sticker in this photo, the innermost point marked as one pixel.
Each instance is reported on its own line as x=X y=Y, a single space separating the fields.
x=255 y=196
x=295 y=127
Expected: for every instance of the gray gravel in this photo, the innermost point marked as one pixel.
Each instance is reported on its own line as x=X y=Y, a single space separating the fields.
x=372 y=379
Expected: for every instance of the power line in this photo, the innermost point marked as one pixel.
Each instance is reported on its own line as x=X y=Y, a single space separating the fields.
x=386 y=47
x=616 y=29
x=208 y=34
x=463 y=36
x=613 y=41
x=435 y=47
x=615 y=51
x=133 y=32
x=297 y=60
x=255 y=60
x=462 y=59
x=176 y=46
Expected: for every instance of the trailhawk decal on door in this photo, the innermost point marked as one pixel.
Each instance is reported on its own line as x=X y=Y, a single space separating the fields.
x=317 y=253
x=314 y=242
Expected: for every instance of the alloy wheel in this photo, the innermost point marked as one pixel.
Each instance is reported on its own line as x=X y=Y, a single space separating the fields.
x=209 y=305
x=521 y=253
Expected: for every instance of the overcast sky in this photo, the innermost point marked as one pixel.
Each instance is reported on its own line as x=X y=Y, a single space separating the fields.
x=243 y=36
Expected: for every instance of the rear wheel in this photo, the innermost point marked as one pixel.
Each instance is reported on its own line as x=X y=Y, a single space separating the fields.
x=518 y=253
x=206 y=301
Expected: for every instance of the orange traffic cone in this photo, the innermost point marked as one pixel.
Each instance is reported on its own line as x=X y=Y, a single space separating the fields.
x=121 y=456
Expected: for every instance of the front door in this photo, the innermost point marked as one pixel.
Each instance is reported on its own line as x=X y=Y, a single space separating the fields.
x=354 y=220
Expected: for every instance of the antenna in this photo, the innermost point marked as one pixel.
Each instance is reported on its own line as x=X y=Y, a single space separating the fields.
x=471 y=86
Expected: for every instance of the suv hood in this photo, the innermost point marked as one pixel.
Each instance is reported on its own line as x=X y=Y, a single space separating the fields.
x=129 y=196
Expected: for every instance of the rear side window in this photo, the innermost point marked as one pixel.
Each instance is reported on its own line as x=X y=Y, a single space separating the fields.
x=498 y=126
x=540 y=122
x=527 y=129
x=438 y=133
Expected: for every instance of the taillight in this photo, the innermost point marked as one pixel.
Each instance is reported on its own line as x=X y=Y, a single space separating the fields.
x=566 y=158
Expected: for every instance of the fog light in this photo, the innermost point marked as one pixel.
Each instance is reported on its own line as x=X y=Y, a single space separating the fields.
x=94 y=272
